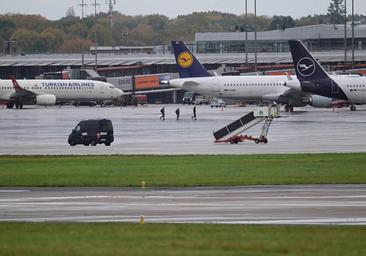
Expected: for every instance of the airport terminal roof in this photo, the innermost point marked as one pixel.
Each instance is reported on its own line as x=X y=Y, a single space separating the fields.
x=321 y=31
x=165 y=59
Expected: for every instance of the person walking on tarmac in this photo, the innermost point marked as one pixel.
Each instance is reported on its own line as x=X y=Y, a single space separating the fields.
x=162 y=111
x=194 y=113
x=177 y=112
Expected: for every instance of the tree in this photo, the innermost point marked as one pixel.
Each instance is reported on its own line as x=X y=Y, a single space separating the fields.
x=27 y=40
x=336 y=11
x=52 y=39
x=282 y=22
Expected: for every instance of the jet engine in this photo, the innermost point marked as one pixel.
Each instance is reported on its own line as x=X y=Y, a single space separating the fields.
x=320 y=101
x=45 y=100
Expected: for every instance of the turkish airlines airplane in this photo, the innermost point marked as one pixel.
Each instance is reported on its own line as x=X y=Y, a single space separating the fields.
x=195 y=78
x=312 y=78
x=48 y=92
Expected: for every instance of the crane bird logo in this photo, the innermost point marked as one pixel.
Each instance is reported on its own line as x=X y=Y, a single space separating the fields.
x=306 y=67
x=185 y=60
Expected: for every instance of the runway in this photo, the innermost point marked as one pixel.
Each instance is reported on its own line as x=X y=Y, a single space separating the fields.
x=41 y=131
x=313 y=204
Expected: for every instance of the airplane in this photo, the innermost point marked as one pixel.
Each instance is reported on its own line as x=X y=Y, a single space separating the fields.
x=312 y=78
x=48 y=92
x=195 y=78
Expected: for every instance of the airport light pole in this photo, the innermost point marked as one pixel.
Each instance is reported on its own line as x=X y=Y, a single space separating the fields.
x=353 y=33
x=345 y=31
x=96 y=34
x=82 y=33
x=246 y=32
x=255 y=35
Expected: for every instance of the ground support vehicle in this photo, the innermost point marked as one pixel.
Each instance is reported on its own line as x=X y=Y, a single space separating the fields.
x=232 y=133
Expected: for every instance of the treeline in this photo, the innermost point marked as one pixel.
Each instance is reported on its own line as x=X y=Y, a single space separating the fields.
x=36 y=34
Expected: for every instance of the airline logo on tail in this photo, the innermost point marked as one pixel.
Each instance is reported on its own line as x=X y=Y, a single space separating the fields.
x=185 y=60
x=306 y=66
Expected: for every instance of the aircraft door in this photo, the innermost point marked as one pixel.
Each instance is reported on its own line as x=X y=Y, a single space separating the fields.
x=215 y=86
x=100 y=91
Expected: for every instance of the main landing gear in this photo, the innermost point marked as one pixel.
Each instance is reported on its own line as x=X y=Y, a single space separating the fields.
x=289 y=108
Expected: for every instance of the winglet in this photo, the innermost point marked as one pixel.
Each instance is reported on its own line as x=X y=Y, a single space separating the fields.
x=15 y=84
x=187 y=64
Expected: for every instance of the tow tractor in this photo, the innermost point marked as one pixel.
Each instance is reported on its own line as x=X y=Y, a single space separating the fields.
x=232 y=133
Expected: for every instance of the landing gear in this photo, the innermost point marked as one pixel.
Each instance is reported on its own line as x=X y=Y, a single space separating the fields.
x=353 y=108
x=19 y=105
x=10 y=105
x=289 y=108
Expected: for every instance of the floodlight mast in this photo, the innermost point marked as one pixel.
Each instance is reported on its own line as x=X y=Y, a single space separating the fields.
x=96 y=33
x=82 y=33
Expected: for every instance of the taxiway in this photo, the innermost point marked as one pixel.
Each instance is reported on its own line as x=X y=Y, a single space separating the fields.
x=317 y=204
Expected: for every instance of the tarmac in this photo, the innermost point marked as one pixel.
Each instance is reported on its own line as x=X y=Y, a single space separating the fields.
x=138 y=130
x=306 y=205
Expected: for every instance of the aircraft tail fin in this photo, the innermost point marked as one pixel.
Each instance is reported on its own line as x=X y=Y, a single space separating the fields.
x=16 y=85
x=187 y=64
x=306 y=66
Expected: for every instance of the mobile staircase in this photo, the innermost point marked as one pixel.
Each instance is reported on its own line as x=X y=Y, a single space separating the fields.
x=232 y=133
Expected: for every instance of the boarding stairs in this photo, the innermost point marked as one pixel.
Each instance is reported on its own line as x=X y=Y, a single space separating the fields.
x=232 y=133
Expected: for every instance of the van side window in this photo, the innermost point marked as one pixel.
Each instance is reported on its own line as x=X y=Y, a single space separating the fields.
x=77 y=128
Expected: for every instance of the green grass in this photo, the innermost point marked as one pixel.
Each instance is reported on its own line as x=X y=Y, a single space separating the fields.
x=156 y=239
x=180 y=171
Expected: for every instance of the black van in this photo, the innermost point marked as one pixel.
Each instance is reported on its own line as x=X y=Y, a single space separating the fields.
x=92 y=132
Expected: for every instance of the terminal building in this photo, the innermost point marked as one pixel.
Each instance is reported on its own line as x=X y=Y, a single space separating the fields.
x=322 y=37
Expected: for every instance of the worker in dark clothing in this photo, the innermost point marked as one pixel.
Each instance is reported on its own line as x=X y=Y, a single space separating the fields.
x=194 y=113
x=177 y=112
x=162 y=111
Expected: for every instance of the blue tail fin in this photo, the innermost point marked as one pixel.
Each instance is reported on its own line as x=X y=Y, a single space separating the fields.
x=306 y=66
x=313 y=78
x=187 y=64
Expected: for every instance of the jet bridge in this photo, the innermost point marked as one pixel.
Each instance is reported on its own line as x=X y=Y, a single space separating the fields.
x=232 y=133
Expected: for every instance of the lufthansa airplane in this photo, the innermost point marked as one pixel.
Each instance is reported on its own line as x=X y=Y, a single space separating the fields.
x=195 y=78
x=312 y=78
x=48 y=92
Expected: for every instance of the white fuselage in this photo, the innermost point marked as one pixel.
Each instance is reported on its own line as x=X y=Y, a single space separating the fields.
x=234 y=87
x=262 y=87
x=64 y=90
x=353 y=86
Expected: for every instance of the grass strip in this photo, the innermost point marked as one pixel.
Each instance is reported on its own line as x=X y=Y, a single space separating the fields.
x=168 y=239
x=180 y=171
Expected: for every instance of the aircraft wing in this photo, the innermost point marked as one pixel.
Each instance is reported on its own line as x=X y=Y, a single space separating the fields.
x=290 y=97
x=152 y=91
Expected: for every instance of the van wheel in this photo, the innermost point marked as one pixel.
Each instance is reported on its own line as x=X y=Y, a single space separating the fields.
x=93 y=143
x=72 y=143
x=86 y=144
x=107 y=143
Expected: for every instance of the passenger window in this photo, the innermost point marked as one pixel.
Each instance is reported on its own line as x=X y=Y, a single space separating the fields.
x=77 y=128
